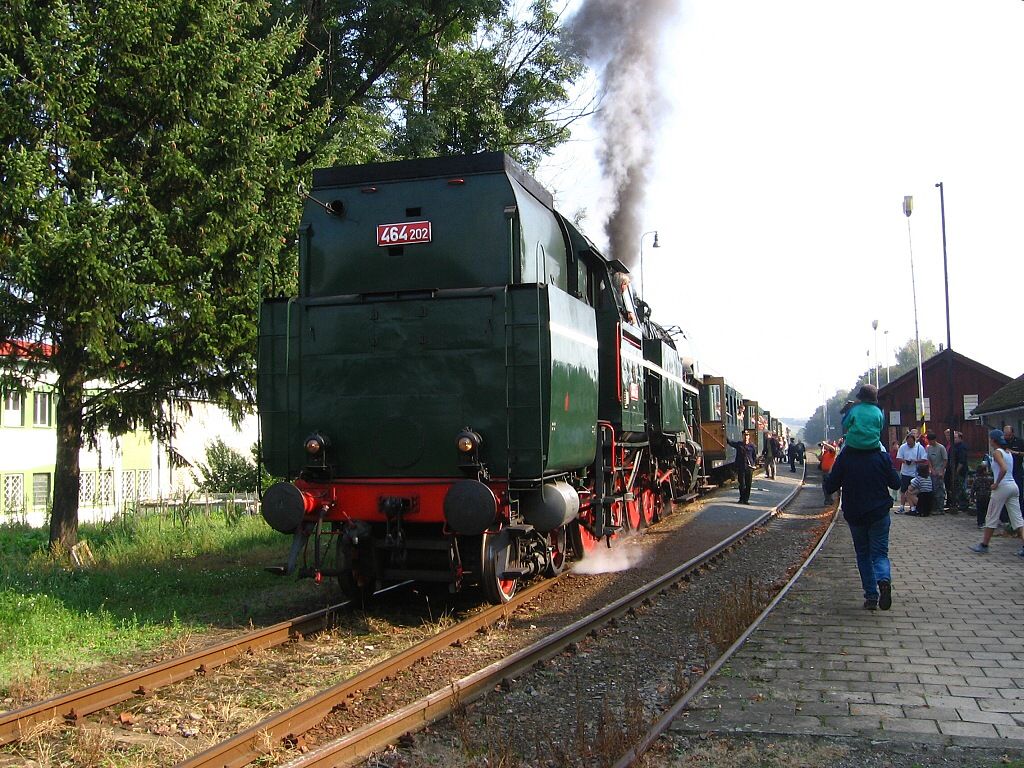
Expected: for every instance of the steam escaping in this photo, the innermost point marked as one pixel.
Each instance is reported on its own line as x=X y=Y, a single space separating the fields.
x=622 y=42
x=604 y=560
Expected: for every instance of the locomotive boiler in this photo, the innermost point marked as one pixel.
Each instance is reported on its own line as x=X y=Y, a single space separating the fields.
x=460 y=391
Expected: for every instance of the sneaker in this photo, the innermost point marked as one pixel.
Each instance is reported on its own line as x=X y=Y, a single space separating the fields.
x=884 y=595
x=981 y=549
x=870 y=604
x=1020 y=552
x=901 y=510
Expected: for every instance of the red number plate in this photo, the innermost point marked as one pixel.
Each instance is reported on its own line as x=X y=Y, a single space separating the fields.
x=400 y=234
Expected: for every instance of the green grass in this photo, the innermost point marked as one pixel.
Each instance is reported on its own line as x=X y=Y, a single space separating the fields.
x=154 y=580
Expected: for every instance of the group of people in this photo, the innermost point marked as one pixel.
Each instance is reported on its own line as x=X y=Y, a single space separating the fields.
x=775 y=450
x=919 y=472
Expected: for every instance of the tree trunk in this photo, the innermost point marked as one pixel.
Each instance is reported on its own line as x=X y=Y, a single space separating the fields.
x=66 y=474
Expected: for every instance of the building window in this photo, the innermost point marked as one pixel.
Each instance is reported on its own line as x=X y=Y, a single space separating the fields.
x=14 y=493
x=105 y=492
x=41 y=412
x=128 y=487
x=40 y=490
x=14 y=406
x=87 y=489
x=145 y=489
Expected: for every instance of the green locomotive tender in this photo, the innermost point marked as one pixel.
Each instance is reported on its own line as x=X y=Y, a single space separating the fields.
x=460 y=392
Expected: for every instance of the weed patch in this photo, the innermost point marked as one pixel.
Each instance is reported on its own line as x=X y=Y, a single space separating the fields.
x=151 y=582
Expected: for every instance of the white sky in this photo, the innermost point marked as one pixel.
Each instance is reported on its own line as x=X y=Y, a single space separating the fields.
x=793 y=129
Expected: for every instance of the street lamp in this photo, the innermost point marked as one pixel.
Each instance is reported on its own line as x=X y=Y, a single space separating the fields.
x=908 y=208
x=954 y=419
x=643 y=285
x=885 y=334
x=874 y=326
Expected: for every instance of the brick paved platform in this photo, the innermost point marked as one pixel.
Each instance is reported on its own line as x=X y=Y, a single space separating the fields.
x=945 y=665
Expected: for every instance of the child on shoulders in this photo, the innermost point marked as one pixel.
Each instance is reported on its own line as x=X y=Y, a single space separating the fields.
x=862 y=421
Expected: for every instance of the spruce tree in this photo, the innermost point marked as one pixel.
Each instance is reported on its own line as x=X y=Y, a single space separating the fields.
x=148 y=160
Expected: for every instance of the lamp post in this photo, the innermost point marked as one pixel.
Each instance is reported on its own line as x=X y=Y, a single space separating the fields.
x=885 y=334
x=908 y=208
x=643 y=285
x=874 y=327
x=954 y=420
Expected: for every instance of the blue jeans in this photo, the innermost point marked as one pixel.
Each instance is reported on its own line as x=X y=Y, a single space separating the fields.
x=871 y=543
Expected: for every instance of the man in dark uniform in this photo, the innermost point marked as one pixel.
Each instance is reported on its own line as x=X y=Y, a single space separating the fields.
x=746 y=460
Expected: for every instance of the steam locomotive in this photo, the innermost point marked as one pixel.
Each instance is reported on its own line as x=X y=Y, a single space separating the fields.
x=464 y=390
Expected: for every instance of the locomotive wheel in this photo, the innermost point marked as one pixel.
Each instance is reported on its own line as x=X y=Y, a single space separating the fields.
x=357 y=574
x=580 y=540
x=634 y=513
x=558 y=541
x=663 y=502
x=496 y=557
x=649 y=507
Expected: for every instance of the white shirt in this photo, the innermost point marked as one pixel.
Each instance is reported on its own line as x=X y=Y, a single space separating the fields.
x=1008 y=459
x=912 y=455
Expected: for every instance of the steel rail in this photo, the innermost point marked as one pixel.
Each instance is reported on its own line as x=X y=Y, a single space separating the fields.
x=15 y=724
x=663 y=723
x=372 y=737
x=250 y=744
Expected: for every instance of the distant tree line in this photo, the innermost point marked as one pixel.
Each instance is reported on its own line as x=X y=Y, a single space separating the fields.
x=906 y=360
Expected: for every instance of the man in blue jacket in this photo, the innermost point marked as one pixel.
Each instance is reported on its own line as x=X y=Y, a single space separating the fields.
x=865 y=477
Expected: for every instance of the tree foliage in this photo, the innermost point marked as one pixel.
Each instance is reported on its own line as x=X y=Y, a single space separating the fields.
x=906 y=360
x=502 y=87
x=226 y=470
x=415 y=78
x=148 y=159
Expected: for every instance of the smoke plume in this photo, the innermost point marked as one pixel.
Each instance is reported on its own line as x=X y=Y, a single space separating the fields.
x=601 y=560
x=622 y=40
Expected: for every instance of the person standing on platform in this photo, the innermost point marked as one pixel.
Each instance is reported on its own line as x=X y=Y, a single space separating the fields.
x=827 y=457
x=910 y=455
x=958 y=474
x=894 y=449
x=1016 y=448
x=865 y=477
x=982 y=493
x=792 y=454
x=746 y=460
x=801 y=452
x=769 y=455
x=938 y=458
x=1004 y=492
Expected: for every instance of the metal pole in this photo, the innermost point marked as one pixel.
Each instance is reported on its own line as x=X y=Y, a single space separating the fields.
x=908 y=207
x=885 y=334
x=874 y=327
x=953 y=413
x=945 y=270
x=643 y=285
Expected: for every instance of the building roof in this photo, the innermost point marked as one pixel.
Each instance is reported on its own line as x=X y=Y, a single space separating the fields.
x=1008 y=398
x=19 y=348
x=935 y=360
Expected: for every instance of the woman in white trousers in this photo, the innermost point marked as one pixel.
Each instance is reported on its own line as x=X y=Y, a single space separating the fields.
x=1004 y=493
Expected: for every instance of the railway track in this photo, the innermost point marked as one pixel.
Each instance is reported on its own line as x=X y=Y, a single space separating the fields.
x=289 y=727
x=662 y=724
x=75 y=705
x=363 y=741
